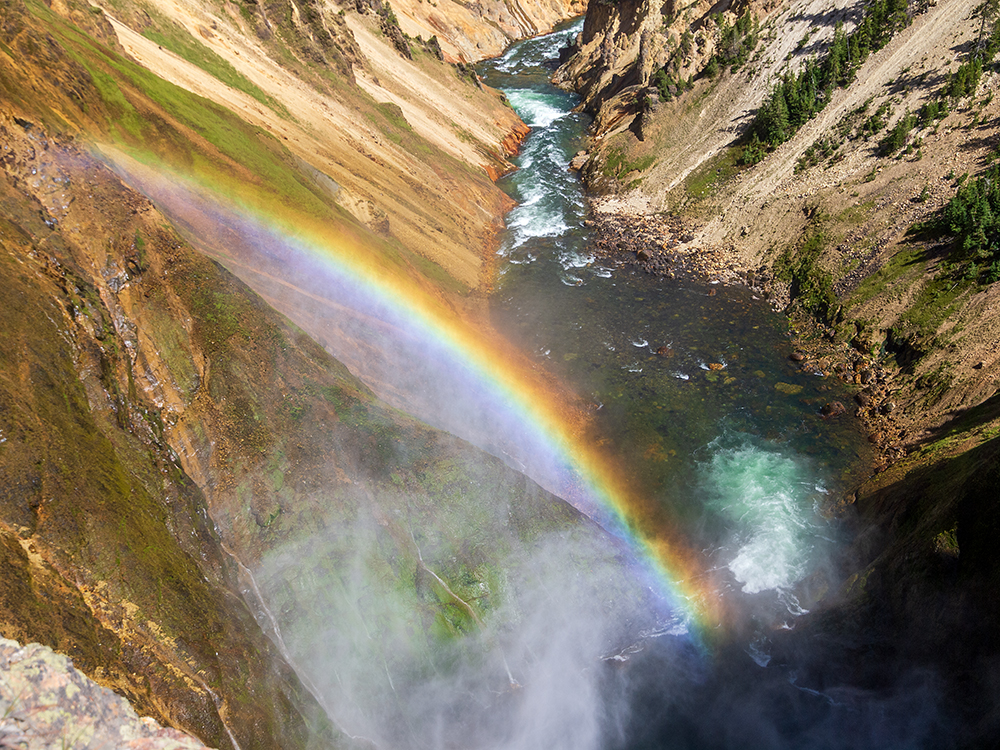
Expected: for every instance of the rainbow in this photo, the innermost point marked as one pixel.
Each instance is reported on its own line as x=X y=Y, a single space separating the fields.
x=525 y=417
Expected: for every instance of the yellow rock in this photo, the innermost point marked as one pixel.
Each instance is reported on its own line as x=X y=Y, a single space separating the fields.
x=788 y=388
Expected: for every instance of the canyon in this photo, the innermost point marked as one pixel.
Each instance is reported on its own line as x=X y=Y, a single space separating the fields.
x=214 y=467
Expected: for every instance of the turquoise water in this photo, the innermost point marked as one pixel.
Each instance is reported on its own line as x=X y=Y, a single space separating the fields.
x=739 y=454
x=726 y=437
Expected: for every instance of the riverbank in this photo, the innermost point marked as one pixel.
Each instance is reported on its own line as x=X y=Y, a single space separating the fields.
x=665 y=246
x=915 y=619
x=839 y=205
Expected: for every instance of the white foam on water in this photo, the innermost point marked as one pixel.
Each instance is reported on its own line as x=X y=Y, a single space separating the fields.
x=757 y=650
x=570 y=259
x=768 y=496
x=534 y=108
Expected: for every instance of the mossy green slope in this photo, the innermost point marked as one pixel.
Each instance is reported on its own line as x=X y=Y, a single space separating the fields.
x=108 y=552
x=170 y=444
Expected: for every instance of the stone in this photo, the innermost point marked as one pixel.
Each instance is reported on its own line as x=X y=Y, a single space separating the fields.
x=833 y=409
x=44 y=700
x=797 y=356
x=789 y=389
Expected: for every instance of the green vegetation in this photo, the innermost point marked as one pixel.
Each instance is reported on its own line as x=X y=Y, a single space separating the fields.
x=898 y=135
x=389 y=118
x=153 y=121
x=390 y=27
x=394 y=114
x=901 y=265
x=811 y=285
x=126 y=89
x=932 y=111
x=877 y=121
x=618 y=167
x=182 y=44
x=934 y=287
x=963 y=82
x=119 y=520
x=933 y=303
x=736 y=42
x=717 y=170
x=821 y=150
x=973 y=216
x=670 y=84
x=796 y=98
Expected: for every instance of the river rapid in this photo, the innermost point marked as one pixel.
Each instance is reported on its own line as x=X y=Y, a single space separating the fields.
x=725 y=433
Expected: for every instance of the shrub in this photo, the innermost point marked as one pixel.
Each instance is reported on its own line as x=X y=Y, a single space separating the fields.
x=896 y=138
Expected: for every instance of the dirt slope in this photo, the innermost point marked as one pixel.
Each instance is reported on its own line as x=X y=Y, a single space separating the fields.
x=372 y=172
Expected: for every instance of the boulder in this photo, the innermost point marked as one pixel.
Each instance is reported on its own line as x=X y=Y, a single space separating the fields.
x=833 y=409
x=44 y=701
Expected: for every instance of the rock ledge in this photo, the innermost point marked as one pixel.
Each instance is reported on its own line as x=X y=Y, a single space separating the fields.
x=46 y=703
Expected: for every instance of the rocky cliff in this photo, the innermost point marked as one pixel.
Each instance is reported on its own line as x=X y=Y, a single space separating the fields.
x=371 y=117
x=46 y=702
x=469 y=32
x=855 y=176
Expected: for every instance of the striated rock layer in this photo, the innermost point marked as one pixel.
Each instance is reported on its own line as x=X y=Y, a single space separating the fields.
x=473 y=31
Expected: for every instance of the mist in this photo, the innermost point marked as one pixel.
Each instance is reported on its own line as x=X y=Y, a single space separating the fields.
x=430 y=618
x=374 y=625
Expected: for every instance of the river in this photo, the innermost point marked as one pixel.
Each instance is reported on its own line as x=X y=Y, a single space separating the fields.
x=726 y=434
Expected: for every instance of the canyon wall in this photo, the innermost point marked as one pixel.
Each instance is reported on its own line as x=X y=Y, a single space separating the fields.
x=470 y=32
x=186 y=473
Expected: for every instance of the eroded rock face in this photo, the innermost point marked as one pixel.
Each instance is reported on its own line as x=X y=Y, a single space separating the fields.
x=625 y=44
x=619 y=48
x=46 y=703
x=107 y=552
x=171 y=445
x=474 y=31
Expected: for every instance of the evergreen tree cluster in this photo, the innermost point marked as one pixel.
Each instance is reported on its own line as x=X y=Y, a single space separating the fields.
x=669 y=85
x=797 y=97
x=973 y=216
x=963 y=82
x=897 y=137
x=736 y=42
